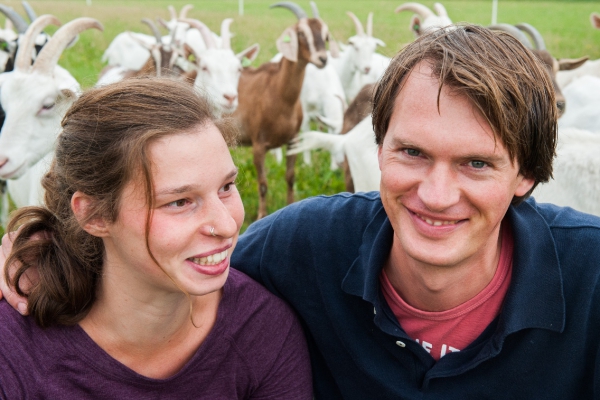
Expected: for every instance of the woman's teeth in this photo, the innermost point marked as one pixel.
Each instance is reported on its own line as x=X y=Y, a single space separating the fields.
x=213 y=259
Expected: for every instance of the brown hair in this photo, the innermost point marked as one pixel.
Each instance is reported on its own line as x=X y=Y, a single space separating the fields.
x=103 y=145
x=503 y=79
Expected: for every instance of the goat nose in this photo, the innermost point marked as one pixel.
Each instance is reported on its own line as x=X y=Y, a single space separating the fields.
x=323 y=59
x=230 y=97
x=367 y=70
x=561 y=107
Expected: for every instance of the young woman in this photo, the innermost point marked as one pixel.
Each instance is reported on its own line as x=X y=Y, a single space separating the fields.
x=135 y=296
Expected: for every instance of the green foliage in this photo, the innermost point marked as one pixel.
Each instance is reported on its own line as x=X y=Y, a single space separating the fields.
x=564 y=25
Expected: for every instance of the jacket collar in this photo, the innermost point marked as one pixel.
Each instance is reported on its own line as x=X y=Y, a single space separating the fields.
x=535 y=297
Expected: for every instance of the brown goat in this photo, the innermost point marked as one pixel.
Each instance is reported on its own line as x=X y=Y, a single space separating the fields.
x=269 y=111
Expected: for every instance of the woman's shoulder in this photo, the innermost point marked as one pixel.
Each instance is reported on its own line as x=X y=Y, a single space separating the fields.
x=246 y=296
x=21 y=358
x=259 y=332
x=252 y=314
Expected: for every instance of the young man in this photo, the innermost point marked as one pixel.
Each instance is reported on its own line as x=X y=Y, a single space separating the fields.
x=448 y=284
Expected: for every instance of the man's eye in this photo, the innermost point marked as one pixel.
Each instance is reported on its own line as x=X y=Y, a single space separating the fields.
x=477 y=164
x=412 y=152
x=177 y=203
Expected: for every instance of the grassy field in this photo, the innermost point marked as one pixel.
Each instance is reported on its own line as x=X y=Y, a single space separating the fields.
x=564 y=25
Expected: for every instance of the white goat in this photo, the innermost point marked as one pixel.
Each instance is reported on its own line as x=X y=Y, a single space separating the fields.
x=218 y=67
x=35 y=98
x=425 y=19
x=356 y=59
x=125 y=51
x=358 y=145
x=576 y=173
x=583 y=97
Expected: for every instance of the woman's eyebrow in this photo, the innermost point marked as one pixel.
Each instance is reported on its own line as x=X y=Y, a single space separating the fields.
x=188 y=188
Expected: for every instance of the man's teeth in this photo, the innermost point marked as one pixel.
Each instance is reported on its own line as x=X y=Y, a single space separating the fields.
x=213 y=259
x=437 y=223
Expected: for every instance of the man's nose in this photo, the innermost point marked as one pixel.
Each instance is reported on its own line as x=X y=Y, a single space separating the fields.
x=439 y=190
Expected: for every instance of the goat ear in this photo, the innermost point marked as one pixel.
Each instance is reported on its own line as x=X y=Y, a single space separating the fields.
x=379 y=42
x=189 y=52
x=415 y=25
x=334 y=49
x=249 y=54
x=566 y=64
x=145 y=45
x=287 y=44
x=595 y=18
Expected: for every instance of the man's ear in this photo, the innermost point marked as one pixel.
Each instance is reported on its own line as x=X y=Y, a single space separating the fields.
x=524 y=186
x=82 y=205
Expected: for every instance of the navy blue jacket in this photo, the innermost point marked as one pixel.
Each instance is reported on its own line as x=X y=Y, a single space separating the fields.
x=324 y=256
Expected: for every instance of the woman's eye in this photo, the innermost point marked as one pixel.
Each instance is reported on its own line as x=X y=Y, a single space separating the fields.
x=477 y=164
x=177 y=203
x=228 y=187
x=412 y=152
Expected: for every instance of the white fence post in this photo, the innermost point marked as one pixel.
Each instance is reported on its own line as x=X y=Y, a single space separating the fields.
x=241 y=7
x=494 y=12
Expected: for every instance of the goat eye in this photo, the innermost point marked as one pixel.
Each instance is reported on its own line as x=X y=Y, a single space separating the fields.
x=46 y=107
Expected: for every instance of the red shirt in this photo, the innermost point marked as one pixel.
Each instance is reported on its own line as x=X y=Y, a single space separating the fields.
x=442 y=332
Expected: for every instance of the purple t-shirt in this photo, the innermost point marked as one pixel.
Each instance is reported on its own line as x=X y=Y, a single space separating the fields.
x=256 y=350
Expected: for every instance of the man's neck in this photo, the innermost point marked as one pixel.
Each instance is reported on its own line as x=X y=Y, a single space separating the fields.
x=439 y=288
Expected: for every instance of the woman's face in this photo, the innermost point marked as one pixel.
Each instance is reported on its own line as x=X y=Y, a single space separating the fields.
x=194 y=190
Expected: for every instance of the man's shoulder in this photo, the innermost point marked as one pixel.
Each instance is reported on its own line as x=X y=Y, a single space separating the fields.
x=558 y=217
x=335 y=208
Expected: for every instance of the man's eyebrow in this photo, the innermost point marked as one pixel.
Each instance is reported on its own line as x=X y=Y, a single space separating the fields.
x=188 y=188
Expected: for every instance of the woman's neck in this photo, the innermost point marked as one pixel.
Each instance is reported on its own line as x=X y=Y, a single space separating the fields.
x=148 y=329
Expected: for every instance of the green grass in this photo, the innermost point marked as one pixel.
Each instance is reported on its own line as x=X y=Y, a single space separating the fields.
x=564 y=25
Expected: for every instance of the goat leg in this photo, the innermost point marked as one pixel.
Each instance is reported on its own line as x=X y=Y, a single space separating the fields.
x=290 y=177
x=259 y=152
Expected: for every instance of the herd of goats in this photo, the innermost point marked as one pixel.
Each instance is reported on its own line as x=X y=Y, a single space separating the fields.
x=305 y=83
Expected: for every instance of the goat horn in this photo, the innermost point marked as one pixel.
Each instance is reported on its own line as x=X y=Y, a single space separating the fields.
x=23 y=60
x=154 y=29
x=16 y=19
x=172 y=12
x=359 y=28
x=417 y=8
x=293 y=7
x=440 y=10
x=370 y=25
x=29 y=11
x=163 y=23
x=50 y=53
x=315 y=10
x=225 y=34
x=538 y=40
x=173 y=32
x=209 y=40
x=511 y=30
x=184 y=11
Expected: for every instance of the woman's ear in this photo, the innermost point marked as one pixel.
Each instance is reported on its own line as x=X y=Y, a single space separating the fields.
x=82 y=205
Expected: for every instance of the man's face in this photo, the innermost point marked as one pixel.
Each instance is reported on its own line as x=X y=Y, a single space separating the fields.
x=446 y=183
